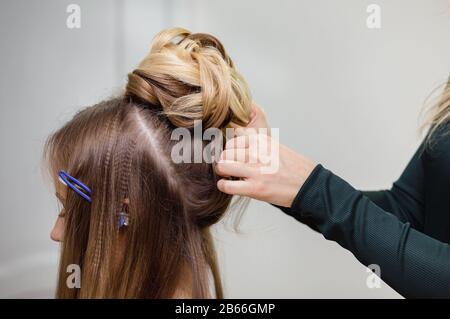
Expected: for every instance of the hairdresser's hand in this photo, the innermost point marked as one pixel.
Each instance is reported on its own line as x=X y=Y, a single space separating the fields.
x=242 y=158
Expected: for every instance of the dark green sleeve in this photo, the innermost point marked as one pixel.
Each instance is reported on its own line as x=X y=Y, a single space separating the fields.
x=412 y=263
x=406 y=197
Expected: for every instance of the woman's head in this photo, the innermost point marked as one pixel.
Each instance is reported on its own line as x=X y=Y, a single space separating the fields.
x=121 y=149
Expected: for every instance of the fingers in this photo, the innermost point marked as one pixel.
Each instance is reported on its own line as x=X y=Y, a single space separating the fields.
x=233 y=168
x=245 y=131
x=257 y=124
x=238 y=142
x=238 y=187
x=236 y=154
x=244 y=140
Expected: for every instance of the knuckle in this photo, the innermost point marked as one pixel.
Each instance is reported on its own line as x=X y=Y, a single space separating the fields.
x=260 y=187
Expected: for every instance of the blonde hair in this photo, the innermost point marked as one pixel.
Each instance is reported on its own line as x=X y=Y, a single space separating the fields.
x=439 y=114
x=191 y=77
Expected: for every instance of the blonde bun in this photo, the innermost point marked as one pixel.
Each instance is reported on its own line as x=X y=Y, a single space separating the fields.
x=191 y=77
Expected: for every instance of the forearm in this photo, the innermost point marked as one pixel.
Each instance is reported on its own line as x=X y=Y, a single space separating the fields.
x=394 y=201
x=412 y=263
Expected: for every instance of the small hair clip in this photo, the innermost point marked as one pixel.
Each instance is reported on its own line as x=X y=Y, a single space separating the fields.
x=124 y=219
x=85 y=192
x=79 y=188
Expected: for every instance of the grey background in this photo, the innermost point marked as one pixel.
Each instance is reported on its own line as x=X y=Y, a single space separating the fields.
x=347 y=96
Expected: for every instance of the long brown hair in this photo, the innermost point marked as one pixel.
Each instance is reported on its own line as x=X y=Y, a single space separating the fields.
x=121 y=148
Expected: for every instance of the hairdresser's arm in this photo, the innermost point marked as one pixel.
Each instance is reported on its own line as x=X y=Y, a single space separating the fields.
x=411 y=262
x=405 y=199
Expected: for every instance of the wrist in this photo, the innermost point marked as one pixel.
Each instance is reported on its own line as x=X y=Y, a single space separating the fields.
x=309 y=183
x=300 y=168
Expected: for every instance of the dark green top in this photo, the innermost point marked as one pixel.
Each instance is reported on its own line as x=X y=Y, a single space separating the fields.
x=404 y=230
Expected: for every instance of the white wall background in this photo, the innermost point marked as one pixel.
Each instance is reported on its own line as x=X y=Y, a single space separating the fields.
x=343 y=94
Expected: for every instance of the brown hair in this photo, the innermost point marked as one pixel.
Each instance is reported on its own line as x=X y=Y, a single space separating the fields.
x=121 y=149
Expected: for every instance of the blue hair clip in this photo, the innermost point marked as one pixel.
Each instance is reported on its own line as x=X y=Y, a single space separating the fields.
x=76 y=185
x=123 y=220
x=85 y=192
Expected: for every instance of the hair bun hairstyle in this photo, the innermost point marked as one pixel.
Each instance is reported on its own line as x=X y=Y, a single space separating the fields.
x=191 y=77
